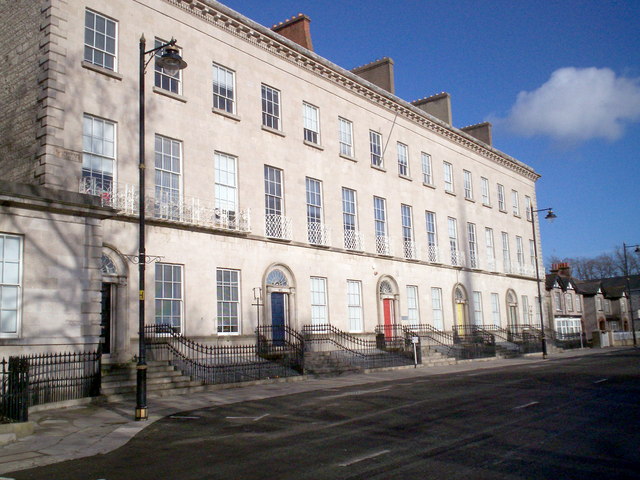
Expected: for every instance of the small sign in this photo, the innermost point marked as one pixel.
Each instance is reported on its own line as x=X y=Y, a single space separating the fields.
x=415 y=339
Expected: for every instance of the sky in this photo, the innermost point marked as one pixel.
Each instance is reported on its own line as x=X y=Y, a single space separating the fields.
x=558 y=79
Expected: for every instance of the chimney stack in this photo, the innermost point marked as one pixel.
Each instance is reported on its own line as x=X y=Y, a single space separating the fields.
x=481 y=131
x=438 y=105
x=297 y=30
x=379 y=73
x=563 y=269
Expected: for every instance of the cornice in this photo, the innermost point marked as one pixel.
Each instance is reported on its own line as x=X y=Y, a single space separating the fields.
x=236 y=24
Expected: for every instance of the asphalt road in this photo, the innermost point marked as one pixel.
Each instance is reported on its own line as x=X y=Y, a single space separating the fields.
x=577 y=418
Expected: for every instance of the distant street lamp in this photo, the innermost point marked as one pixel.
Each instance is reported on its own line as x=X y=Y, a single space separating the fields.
x=628 y=285
x=549 y=216
x=171 y=62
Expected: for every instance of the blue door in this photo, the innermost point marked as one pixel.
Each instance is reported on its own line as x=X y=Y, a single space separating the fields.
x=277 y=317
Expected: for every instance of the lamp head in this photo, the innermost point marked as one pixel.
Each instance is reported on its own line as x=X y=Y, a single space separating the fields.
x=550 y=216
x=637 y=249
x=171 y=61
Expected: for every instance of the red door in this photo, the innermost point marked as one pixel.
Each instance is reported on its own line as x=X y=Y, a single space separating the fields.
x=387 y=305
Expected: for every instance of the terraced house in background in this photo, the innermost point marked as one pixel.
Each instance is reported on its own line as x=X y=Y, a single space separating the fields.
x=282 y=189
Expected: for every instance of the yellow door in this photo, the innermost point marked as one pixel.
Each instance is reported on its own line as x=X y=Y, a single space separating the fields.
x=460 y=317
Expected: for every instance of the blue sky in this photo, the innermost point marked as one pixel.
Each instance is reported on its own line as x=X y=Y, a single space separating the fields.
x=560 y=81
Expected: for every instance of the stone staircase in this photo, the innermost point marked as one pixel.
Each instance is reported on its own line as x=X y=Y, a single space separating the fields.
x=328 y=363
x=119 y=381
x=433 y=358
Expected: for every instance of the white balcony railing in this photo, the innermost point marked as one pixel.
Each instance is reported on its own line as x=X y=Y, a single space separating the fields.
x=522 y=269
x=473 y=262
x=318 y=234
x=383 y=245
x=277 y=226
x=491 y=264
x=433 y=255
x=410 y=250
x=457 y=258
x=353 y=240
x=168 y=207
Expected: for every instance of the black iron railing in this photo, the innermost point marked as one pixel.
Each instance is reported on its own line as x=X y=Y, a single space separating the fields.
x=211 y=364
x=565 y=341
x=281 y=344
x=46 y=378
x=384 y=351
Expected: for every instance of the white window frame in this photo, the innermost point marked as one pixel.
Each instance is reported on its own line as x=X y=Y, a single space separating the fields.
x=558 y=301
x=506 y=253
x=526 y=312
x=427 y=173
x=226 y=183
x=273 y=191
x=473 y=245
x=319 y=307
x=406 y=214
x=532 y=254
x=568 y=301
x=101 y=46
x=172 y=293
x=478 y=316
x=311 y=123
x=99 y=147
x=161 y=79
x=228 y=298
x=313 y=195
x=354 y=306
x=168 y=177
x=452 y=230
x=527 y=204
x=375 y=147
x=495 y=309
x=436 y=308
x=271 y=109
x=11 y=267
x=515 y=201
x=486 y=196
x=578 y=304
x=432 y=235
x=490 y=248
x=345 y=137
x=413 y=309
x=224 y=89
x=403 y=159
x=448 y=177
x=501 y=200
x=468 y=185
x=520 y=252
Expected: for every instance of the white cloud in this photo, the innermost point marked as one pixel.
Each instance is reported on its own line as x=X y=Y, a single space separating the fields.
x=576 y=105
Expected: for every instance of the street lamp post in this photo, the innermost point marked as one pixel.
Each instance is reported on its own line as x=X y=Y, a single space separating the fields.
x=549 y=216
x=628 y=285
x=171 y=62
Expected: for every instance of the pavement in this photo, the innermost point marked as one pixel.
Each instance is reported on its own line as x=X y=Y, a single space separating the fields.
x=84 y=430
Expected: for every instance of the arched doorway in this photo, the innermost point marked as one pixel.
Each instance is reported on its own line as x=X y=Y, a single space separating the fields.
x=113 y=313
x=459 y=309
x=279 y=300
x=512 y=310
x=387 y=301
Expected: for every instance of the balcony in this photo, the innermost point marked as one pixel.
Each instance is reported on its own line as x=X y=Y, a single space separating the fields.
x=277 y=226
x=170 y=208
x=353 y=240
x=433 y=255
x=474 y=261
x=522 y=269
x=318 y=234
x=410 y=250
x=383 y=245
x=457 y=258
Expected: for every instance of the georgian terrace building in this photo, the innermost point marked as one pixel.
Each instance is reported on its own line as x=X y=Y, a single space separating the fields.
x=282 y=188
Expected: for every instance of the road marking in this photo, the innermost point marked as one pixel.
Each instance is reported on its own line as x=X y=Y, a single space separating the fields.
x=526 y=405
x=357 y=392
x=601 y=380
x=255 y=419
x=363 y=458
x=183 y=417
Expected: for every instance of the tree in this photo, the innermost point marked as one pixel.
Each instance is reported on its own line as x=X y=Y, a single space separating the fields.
x=602 y=266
